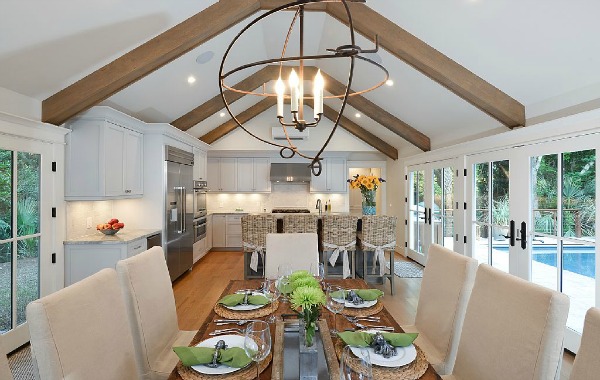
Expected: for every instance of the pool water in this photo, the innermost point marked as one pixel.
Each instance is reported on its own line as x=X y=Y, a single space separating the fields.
x=577 y=259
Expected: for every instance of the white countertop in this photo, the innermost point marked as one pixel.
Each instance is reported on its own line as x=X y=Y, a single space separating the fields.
x=124 y=236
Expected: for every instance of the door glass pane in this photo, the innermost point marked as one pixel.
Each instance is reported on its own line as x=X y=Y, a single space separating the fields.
x=6 y=169
x=443 y=201
x=28 y=271
x=482 y=187
x=417 y=210
x=544 y=200
x=5 y=287
x=481 y=247
x=500 y=214
x=578 y=252
x=28 y=194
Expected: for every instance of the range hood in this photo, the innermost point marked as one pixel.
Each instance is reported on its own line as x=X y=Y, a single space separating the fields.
x=287 y=172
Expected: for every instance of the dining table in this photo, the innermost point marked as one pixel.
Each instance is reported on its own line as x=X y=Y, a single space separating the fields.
x=284 y=309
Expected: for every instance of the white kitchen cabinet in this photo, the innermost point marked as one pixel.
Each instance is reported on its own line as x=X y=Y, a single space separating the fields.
x=83 y=260
x=104 y=160
x=233 y=238
x=332 y=178
x=199 y=164
x=253 y=175
x=199 y=250
x=209 y=236
x=222 y=174
x=218 y=231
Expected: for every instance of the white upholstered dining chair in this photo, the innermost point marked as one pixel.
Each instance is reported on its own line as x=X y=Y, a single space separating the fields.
x=4 y=367
x=587 y=360
x=150 y=303
x=447 y=283
x=513 y=329
x=82 y=332
x=299 y=251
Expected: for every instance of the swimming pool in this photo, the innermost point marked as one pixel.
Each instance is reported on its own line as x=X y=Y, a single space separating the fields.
x=576 y=258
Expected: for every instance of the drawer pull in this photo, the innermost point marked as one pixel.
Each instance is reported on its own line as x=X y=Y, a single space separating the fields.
x=138 y=247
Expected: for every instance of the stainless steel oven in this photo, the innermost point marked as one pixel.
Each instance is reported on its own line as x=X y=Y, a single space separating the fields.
x=199 y=229
x=200 y=188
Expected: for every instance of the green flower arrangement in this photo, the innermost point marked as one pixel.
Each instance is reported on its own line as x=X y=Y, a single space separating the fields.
x=298 y=275
x=307 y=297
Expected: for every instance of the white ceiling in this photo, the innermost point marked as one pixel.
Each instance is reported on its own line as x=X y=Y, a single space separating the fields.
x=542 y=53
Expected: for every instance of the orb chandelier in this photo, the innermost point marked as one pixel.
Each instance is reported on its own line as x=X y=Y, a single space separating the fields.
x=294 y=93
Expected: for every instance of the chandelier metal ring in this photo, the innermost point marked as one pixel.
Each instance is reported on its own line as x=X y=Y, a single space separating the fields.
x=350 y=51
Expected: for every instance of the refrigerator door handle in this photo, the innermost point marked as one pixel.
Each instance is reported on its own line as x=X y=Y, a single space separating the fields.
x=184 y=208
x=180 y=209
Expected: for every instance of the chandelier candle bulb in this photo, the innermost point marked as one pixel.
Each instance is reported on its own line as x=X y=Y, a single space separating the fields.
x=294 y=90
x=319 y=84
x=279 y=89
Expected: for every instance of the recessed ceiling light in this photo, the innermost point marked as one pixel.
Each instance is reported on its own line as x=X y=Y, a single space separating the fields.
x=191 y=79
x=389 y=82
x=357 y=114
x=205 y=57
x=222 y=114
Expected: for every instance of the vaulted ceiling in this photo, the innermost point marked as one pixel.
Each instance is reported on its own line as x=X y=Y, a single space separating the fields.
x=480 y=64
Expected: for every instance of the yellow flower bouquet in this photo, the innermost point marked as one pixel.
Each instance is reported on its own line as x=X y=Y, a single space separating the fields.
x=368 y=185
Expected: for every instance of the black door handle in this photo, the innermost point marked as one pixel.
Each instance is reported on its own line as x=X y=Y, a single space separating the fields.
x=511 y=234
x=430 y=216
x=425 y=215
x=523 y=234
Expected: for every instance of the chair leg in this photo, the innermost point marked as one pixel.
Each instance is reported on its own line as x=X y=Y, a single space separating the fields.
x=353 y=254
x=246 y=265
x=392 y=274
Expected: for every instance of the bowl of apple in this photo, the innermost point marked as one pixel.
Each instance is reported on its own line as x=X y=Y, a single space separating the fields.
x=111 y=227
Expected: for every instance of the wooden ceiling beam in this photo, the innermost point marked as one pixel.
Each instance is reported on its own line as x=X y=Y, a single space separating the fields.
x=144 y=59
x=215 y=104
x=361 y=133
x=432 y=63
x=243 y=117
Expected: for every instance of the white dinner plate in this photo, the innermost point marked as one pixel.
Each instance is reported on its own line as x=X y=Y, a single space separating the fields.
x=350 y=305
x=404 y=356
x=247 y=307
x=230 y=341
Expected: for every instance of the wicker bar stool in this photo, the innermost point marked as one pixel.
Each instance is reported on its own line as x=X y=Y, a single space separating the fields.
x=379 y=235
x=254 y=232
x=339 y=236
x=293 y=224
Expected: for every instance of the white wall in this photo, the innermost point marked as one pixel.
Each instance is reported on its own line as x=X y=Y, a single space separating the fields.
x=20 y=105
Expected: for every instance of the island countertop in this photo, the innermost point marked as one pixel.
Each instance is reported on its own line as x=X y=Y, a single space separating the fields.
x=124 y=236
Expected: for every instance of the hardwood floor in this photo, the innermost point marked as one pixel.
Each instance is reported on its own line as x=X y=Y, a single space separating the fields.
x=197 y=291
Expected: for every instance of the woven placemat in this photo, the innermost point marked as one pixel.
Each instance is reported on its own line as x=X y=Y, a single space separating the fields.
x=363 y=312
x=412 y=371
x=249 y=314
x=248 y=373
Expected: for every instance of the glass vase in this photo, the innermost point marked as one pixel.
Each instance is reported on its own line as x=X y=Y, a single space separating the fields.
x=368 y=202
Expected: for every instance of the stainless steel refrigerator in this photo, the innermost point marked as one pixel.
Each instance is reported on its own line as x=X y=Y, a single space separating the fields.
x=179 y=233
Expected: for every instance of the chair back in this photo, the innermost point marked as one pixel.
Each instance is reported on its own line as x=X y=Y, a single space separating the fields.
x=587 y=360
x=4 y=367
x=255 y=229
x=81 y=331
x=300 y=223
x=447 y=282
x=339 y=230
x=150 y=304
x=378 y=230
x=297 y=250
x=513 y=329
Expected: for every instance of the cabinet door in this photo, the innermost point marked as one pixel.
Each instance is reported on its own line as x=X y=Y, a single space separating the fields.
x=214 y=174
x=134 y=159
x=319 y=184
x=228 y=174
x=337 y=175
x=218 y=229
x=209 y=232
x=199 y=164
x=262 y=171
x=113 y=160
x=245 y=174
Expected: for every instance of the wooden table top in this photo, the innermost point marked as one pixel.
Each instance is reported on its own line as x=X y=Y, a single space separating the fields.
x=284 y=308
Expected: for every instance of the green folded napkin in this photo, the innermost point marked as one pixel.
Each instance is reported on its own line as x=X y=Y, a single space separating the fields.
x=285 y=288
x=236 y=299
x=232 y=357
x=365 y=294
x=364 y=339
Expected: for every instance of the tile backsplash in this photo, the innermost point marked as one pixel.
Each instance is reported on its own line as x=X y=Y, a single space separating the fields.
x=78 y=212
x=282 y=195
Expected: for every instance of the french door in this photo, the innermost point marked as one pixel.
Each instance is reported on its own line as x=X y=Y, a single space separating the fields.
x=534 y=215
x=25 y=238
x=431 y=207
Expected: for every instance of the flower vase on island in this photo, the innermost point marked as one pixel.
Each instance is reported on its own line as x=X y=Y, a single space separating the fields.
x=368 y=185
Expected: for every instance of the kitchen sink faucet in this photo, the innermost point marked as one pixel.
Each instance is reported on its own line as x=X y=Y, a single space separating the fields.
x=319 y=206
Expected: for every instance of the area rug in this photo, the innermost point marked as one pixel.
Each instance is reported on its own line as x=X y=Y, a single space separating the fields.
x=407 y=269
x=21 y=364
